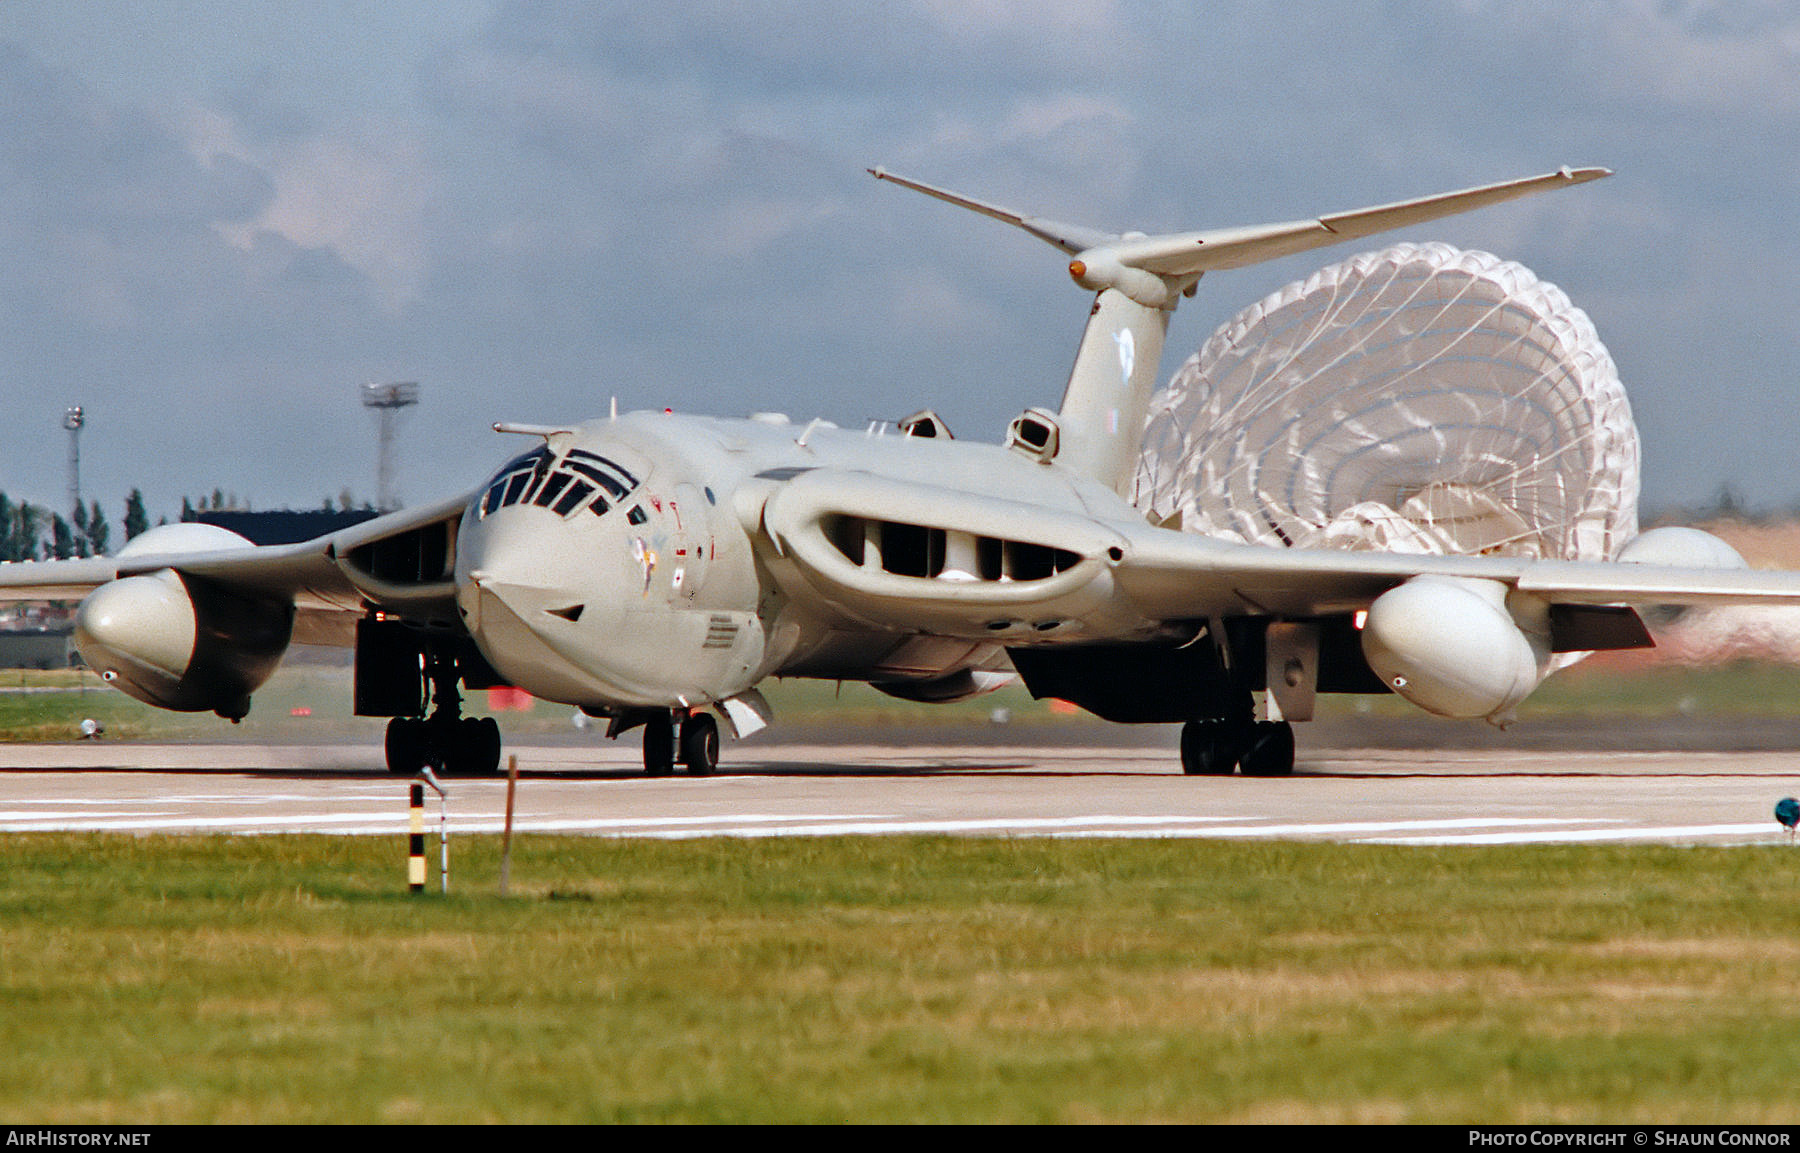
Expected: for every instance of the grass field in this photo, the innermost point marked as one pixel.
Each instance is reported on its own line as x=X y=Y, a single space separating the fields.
x=896 y=979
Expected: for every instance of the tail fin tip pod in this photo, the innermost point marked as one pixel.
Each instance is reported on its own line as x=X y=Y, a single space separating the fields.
x=1139 y=279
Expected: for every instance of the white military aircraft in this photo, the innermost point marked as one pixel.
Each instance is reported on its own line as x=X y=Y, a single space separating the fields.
x=649 y=566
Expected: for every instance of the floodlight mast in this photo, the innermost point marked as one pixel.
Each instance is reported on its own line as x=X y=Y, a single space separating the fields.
x=387 y=400
x=73 y=420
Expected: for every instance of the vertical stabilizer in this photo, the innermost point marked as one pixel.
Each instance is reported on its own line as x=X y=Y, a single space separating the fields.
x=1139 y=279
x=1101 y=423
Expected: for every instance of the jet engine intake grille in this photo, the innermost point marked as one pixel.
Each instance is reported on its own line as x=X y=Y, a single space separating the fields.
x=943 y=554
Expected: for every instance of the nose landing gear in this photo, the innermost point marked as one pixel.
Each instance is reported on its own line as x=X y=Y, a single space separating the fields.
x=700 y=744
x=690 y=736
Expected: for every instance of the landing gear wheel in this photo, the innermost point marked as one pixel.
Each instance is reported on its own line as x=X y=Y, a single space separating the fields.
x=406 y=746
x=490 y=743
x=471 y=746
x=1207 y=749
x=700 y=744
x=1270 y=750
x=445 y=740
x=659 y=746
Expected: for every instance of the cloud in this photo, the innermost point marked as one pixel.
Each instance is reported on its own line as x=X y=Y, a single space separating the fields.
x=127 y=297
x=560 y=202
x=1715 y=56
x=985 y=23
x=365 y=197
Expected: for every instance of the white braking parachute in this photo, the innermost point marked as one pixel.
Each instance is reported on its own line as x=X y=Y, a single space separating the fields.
x=1418 y=399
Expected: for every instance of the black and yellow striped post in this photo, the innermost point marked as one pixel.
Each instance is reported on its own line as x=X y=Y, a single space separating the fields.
x=415 y=861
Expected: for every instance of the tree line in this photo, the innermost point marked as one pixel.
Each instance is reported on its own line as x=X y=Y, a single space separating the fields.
x=33 y=532
x=223 y=501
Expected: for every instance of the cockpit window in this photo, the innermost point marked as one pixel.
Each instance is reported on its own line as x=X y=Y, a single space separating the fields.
x=509 y=484
x=564 y=486
x=614 y=478
x=571 y=500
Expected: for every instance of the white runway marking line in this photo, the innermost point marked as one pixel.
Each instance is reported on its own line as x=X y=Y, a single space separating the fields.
x=26 y=821
x=751 y=825
x=237 y=798
x=736 y=824
x=847 y=825
x=1339 y=828
x=75 y=801
x=1096 y=827
x=494 y=822
x=1498 y=830
x=1576 y=836
x=125 y=823
x=368 y=824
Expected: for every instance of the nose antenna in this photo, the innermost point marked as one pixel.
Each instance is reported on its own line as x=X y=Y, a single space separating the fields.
x=544 y=430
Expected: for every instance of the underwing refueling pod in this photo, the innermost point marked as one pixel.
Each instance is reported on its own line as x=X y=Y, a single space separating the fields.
x=652 y=569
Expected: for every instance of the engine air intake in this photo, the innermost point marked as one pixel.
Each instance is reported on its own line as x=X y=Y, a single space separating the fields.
x=942 y=554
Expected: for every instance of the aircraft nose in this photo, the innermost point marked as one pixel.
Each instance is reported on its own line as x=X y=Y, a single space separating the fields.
x=524 y=636
x=518 y=594
x=486 y=598
x=502 y=558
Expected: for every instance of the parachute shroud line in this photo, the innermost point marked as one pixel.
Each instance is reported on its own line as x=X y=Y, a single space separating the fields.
x=1415 y=399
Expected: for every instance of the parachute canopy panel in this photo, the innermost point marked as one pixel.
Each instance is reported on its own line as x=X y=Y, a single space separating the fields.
x=1416 y=399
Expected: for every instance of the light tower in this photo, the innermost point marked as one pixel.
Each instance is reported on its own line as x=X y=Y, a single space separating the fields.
x=73 y=419
x=387 y=400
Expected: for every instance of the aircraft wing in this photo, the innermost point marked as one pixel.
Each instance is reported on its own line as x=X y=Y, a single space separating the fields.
x=1019 y=573
x=55 y=580
x=401 y=563
x=1171 y=575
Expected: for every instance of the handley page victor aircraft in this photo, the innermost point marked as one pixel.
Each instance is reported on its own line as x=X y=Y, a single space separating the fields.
x=649 y=567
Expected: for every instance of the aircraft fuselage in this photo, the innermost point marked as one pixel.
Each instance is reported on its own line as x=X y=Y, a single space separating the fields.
x=626 y=562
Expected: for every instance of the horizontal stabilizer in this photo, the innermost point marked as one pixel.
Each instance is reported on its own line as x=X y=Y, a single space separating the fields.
x=1184 y=254
x=1071 y=238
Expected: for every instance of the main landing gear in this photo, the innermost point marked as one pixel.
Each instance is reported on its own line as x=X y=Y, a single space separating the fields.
x=690 y=737
x=1216 y=747
x=465 y=746
x=446 y=741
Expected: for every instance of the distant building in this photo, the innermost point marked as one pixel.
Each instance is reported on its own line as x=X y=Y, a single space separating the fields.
x=285 y=526
x=35 y=636
x=41 y=636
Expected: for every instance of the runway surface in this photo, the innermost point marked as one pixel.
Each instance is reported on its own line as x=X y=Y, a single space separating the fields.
x=1408 y=797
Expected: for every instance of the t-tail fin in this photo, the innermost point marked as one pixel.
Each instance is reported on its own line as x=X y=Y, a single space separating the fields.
x=1139 y=279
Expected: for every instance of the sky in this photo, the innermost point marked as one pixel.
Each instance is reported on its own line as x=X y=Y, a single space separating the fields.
x=219 y=219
